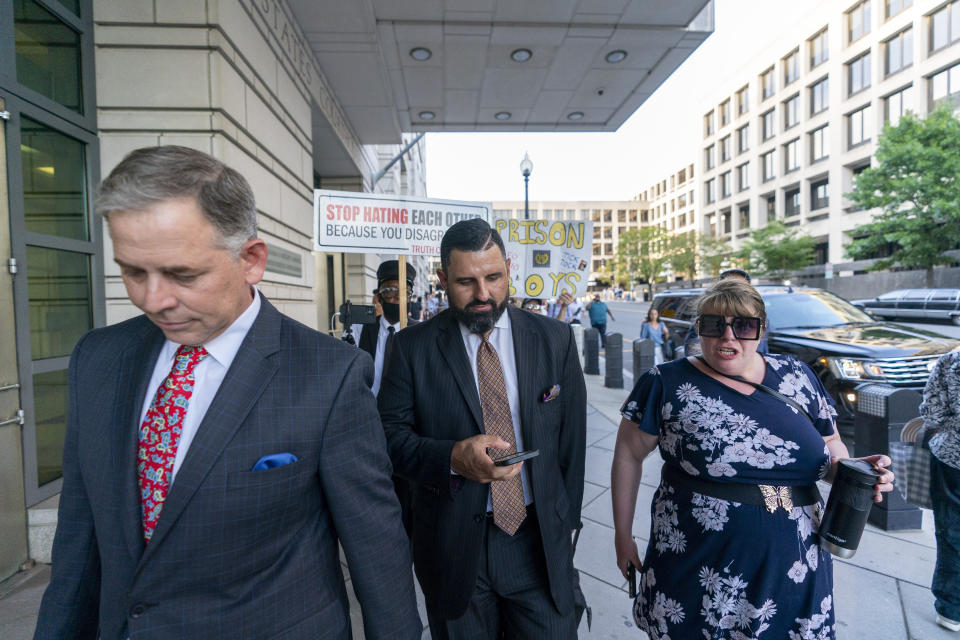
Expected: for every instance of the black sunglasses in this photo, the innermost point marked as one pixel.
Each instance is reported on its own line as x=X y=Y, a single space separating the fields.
x=711 y=325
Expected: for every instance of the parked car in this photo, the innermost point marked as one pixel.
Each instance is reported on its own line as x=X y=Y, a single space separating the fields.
x=842 y=344
x=923 y=304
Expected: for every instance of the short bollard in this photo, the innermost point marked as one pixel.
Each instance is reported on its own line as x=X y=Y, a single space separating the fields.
x=591 y=352
x=613 y=353
x=642 y=357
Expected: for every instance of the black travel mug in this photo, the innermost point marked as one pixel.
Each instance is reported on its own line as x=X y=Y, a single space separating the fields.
x=848 y=507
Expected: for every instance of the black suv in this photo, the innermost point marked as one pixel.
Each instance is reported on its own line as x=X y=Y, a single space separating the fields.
x=842 y=344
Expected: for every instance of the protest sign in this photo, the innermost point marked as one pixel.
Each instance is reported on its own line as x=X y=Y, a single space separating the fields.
x=547 y=257
x=354 y=222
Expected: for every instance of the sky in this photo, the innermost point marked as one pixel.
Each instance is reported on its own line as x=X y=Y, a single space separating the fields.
x=657 y=140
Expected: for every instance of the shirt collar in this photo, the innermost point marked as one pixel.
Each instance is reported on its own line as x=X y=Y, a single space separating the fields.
x=386 y=324
x=224 y=347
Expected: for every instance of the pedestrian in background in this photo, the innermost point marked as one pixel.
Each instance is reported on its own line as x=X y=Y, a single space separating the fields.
x=655 y=330
x=569 y=309
x=941 y=410
x=598 y=317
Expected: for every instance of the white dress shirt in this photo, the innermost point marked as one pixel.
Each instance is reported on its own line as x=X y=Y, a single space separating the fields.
x=208 y=375
x=382 y=336
x=501 y=339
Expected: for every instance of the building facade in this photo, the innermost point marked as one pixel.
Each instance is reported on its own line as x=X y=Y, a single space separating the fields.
x=785 y=138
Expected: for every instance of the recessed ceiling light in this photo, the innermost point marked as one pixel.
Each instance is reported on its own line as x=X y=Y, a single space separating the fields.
x=616 y=56
x=420 y=53
x=427 y=115
x=502 y=115
x=521 y=55
x=576 y=115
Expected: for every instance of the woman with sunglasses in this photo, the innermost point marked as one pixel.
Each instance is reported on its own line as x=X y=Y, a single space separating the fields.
x=733 y=547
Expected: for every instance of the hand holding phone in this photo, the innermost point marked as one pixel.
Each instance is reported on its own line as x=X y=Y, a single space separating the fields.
x=632 y=577
x=520 y=456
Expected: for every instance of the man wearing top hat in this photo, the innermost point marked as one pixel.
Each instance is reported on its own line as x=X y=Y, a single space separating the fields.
x=387 y=294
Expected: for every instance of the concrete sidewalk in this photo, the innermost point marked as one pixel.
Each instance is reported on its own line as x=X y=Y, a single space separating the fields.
x=882 y=592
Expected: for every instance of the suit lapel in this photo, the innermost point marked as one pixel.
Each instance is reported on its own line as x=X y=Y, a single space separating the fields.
x=454 y=352
x=526 y=352
x=251 y=371
x=136 y=368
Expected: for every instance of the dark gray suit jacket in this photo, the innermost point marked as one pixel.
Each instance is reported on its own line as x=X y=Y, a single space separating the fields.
x=428 y=401
x=236 y=553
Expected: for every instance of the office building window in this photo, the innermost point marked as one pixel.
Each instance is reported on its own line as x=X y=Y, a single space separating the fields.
x=708 y=128
x=690 y=196
x=709 y=158
x=769 y=123
x=725 y=184
x=819 y=50
x=743 y=100
x=858 y=21
x=818 y=194
x=791 y=68
x=896 y=104
x=791 y=112
x=820 y=96
x=743 y=176
x=819 y=144
x=769 y=166
x=768 y=83
x=791 y=203
x=945 y=26
x=858 y=74
x=743 y=212
x=724 y=148
x=860 y=126
x=893 y=7
x=725 y=221
x=725 y=113
x=791 y=156
x=743 y=138
x=710 y=191
x=771 y=201
x=945 y=84
x=898 y=52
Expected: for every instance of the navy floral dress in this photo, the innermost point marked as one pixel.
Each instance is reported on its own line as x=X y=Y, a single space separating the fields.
x=722 y=570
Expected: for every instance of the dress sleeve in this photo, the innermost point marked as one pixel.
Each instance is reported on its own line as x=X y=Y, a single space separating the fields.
x=938 y=408
x=822 y=409
x=643 y=404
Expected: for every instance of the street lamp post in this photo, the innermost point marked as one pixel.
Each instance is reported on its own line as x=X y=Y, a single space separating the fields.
x=526 y=168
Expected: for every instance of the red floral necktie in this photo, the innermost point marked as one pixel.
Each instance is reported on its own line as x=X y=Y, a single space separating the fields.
x=160 y=435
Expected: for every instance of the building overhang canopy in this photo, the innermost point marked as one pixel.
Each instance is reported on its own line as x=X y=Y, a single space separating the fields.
x=399 y=66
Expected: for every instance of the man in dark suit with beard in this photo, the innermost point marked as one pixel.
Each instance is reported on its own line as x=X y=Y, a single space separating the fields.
x=476 y=383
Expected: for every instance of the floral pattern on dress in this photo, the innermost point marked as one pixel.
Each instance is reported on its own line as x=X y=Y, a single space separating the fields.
x=721 y=570
x=941 y=409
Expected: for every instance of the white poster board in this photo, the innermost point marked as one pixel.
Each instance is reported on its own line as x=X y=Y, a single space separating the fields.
x=547 y=257
x=354 y=222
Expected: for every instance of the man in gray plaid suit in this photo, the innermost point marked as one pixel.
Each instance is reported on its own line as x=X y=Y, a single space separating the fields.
x=217 y=452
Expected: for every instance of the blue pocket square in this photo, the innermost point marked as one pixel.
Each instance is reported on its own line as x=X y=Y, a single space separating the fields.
x=274 y=460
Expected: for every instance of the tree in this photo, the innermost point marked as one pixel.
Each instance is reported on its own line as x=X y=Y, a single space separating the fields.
x=682 y=249
x=714 y=252
x=642 y=254
x=915 y=185
x=776 y=250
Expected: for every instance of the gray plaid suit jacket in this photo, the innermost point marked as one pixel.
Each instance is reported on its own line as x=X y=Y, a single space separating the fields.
x=236 y=553
x=428 y=401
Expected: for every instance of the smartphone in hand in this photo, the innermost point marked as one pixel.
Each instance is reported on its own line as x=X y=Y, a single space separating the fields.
x=632 y=577
x=520 y=456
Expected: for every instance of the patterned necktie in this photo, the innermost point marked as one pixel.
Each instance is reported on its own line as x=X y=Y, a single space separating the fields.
x=506 y=496
x=160 y=435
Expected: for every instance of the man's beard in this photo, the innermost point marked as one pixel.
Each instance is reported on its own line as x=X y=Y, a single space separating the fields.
x=479 y=322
